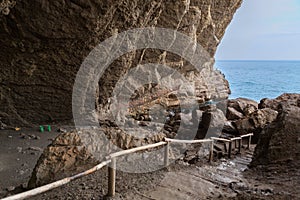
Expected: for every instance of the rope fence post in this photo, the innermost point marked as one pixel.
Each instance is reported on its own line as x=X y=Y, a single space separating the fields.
x=166 y=155
x=225 y=147
x=229 y=149
x=249 y=142
x=112 y=178
x=211 y=155
x=240 y=144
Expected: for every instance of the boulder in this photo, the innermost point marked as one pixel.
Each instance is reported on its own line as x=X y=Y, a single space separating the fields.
x=65 y=156
x=280 y=141
x=244 y=126
x=249 y=109
x=255 y=122
x=233 y=114
x=286 y=98
x=240 y=104
x=212 y=123
x=262 y=117
x=230 y=128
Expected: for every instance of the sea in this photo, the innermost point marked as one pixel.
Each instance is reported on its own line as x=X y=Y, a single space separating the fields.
x=260 y=79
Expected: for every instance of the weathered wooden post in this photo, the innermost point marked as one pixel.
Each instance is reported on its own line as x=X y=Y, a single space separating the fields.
x=225 y=147
x=240 y=144
x=229 y=149
x=112 y=178
x=249 y=142
x=211 y=155
x=166 y=156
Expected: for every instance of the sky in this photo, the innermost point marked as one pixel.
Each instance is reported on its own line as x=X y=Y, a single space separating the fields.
x=263 y=30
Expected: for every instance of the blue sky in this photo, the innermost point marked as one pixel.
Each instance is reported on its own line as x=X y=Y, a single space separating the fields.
x=263 y=30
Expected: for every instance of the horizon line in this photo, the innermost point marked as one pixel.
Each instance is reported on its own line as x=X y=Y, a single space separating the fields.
x=252 y=60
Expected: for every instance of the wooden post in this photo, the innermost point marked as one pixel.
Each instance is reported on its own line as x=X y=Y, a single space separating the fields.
x=166 y=157
x=235 y=144
x=240 y=144
x=225 y=147
x=112 y=178
x=211 y=155
x=229 y=149
x=249 y=142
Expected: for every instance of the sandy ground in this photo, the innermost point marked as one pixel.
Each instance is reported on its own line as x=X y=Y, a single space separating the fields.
x=19 y=152
x=222 y=179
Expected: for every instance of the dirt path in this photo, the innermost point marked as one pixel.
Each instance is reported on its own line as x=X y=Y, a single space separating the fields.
x=200 y=182
x=222 y=179
x=206 y=181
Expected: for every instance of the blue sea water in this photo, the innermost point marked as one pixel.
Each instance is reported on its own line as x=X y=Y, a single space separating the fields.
x=261 y=79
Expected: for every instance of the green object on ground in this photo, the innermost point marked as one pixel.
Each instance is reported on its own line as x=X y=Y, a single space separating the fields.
x=42 y=129
x=49 y=128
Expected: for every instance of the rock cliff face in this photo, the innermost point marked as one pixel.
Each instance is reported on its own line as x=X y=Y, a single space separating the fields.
x=44 y=42
x=279 y=143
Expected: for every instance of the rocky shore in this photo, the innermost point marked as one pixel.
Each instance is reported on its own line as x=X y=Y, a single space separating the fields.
x=44 y=43
x=274 y=122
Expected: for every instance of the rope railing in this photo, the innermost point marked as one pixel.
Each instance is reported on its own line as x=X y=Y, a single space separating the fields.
x=111 y=163
x=235 y=140
x=55 y=184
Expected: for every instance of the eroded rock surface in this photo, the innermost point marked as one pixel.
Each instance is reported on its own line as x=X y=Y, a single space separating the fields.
x=280 y=141
x=44 y=42
x=242 y=104
x=256 y=122
x=284 y=99
x=65 y=156
x=245 y=116
x=76 y=151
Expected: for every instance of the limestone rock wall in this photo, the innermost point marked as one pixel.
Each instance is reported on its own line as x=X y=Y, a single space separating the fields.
x=44 y=42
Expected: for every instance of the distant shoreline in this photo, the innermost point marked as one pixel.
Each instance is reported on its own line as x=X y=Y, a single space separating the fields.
x=257 y=60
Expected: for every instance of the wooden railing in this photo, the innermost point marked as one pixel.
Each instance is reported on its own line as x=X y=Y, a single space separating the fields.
x=55 y=184
x=111 y=162
x=235 y=140
x=112 y=168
